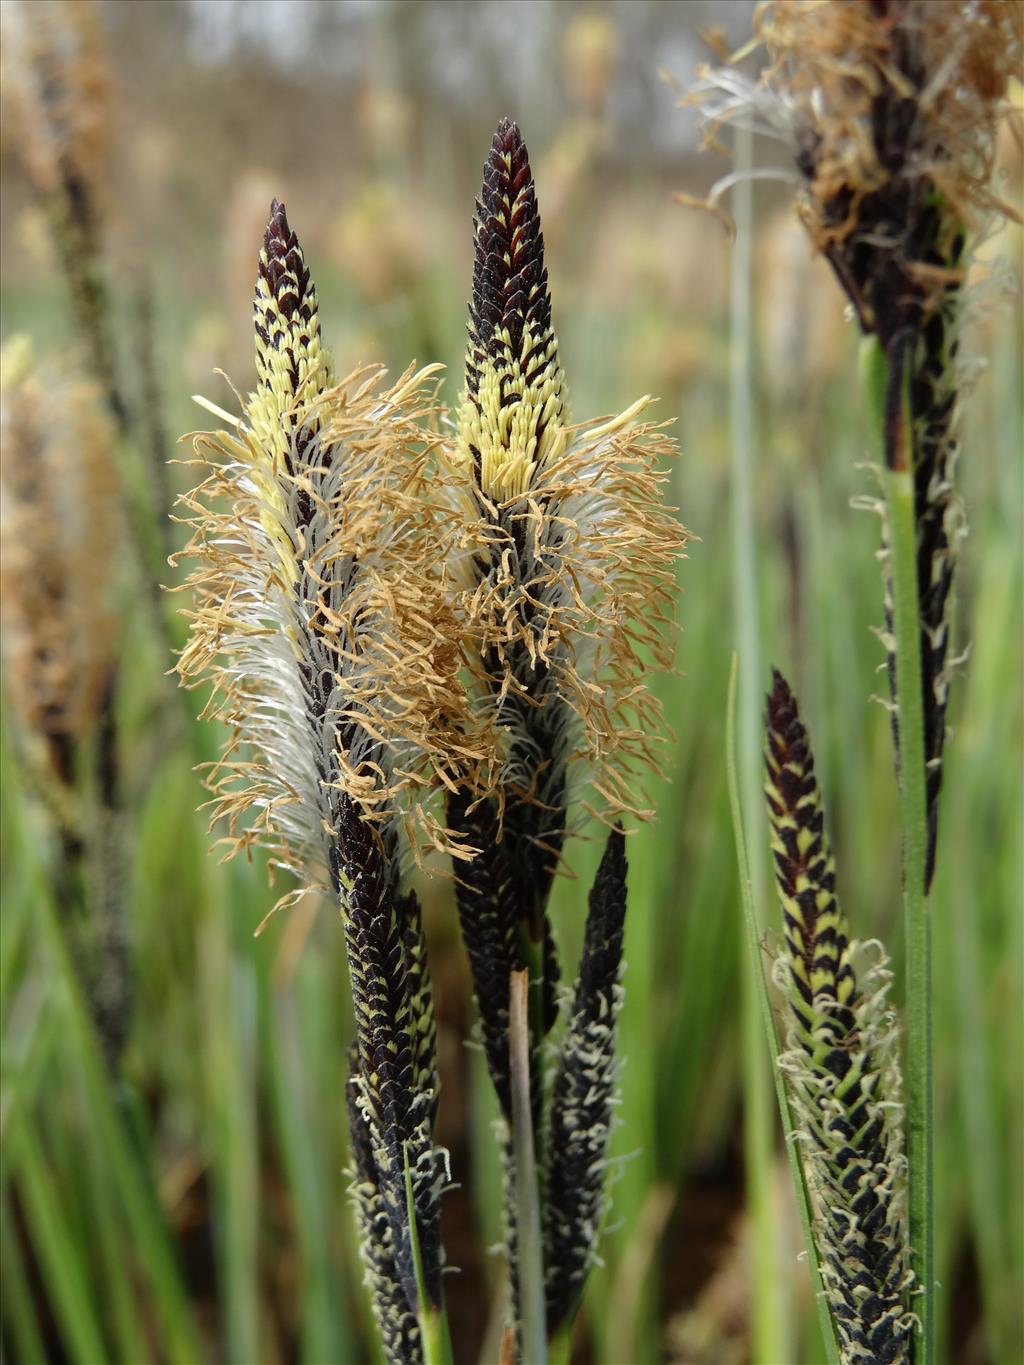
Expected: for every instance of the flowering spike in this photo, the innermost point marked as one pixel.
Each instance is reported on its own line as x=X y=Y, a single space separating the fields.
x=583 y=1096
x=839 y=1067
x=515 y=404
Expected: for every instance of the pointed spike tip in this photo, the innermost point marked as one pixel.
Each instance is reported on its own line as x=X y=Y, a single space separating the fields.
x=515 y=406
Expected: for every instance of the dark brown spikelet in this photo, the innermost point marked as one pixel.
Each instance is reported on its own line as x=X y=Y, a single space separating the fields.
x=839 y=1067
x=494 y=910
x=490 y=930
x=285 y=294
x=423 y=1041
x=816 y=940
x=580 y=1120
x=399 y=1330
x=510 y=332
x=396 y=1072
x=512 y=419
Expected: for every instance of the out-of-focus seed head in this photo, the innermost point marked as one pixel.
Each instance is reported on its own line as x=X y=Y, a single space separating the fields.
x=892 y=109
x=56 y=97
x=515 y=406
x=61 y=532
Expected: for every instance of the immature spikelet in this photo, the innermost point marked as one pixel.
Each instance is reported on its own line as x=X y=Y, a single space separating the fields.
x=61 y=532
x=320 y=614
x=293 y=369
x=840 y=1066
x=570 y=576
x=580 y=1121
x=891 y=108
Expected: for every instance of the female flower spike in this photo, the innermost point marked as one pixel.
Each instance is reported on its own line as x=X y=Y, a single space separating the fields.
x=890 y=108
x=334 y=651
x=840 y=1069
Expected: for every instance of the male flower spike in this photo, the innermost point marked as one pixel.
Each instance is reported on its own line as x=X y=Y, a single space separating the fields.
x=570 y=578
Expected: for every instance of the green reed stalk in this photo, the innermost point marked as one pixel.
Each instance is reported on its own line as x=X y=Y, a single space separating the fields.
x=899 y=491
x=887 y=403
x=529 y=1249
x=433 y=1322
x=768 y=1328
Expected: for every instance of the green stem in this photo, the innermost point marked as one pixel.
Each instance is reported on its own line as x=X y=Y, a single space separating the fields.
x=560 y=1346
x=769 y=1335
x=529 y=1250
x=767 y=1020
x=434 y=1333
x=899 y=491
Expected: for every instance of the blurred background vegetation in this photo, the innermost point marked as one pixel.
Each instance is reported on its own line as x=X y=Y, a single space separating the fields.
x=171 y=1178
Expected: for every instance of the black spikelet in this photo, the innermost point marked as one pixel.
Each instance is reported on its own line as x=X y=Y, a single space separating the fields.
x=399 y=1330
x=581 y=1105
x=391 y=1047
x=510 y=281
x=285 y=294
x=423 y=1039
x=489 y=922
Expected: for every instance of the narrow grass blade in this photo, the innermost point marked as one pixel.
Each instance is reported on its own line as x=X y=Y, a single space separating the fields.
x=528 y=1236
x=136 y=1187
x=769 y=1323
x=325 y=1335
x=19 y=1314
x=73 y=1297
x=230 y=1006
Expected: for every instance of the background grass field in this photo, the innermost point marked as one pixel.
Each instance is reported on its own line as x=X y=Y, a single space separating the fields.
x=194 y=1207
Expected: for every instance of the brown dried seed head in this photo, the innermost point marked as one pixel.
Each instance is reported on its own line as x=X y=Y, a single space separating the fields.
x=56 y=95
x=61 y=532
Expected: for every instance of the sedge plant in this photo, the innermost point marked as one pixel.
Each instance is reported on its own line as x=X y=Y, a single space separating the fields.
x=388 y=619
